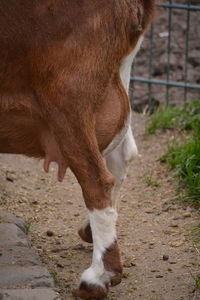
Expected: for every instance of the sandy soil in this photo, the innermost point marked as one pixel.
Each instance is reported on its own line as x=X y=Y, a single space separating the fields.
x=154 y=228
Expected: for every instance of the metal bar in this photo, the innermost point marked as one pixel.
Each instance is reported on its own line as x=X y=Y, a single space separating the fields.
x=164 y=82
x=179 y=6
x=169 y=50
x=150 y=64
x=186 y=51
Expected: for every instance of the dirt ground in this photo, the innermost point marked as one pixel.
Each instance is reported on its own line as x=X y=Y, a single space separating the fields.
x=154 y=227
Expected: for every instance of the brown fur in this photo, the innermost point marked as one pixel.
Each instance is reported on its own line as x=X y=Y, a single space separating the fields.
x=86 y=234
x=112 y=263
x=90 y=291
x=61 y=97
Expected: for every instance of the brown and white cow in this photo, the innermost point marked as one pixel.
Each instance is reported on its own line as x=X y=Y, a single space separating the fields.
x=64 y=77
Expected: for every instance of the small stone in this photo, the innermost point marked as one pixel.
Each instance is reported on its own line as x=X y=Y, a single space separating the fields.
x=55 y=250
x=170 y=231
x=149 y=211
x=169 y=270
x=176 y=243
x=59 y=265
x=152 y=243
x=165 y=257
x=166 y=207
x=187 y=214
x=129 y=262
x=35 y=202
x=76 y=215
x=79 y=247
x=9 y=178
x=49 y=233
x=69 y=202
x=125 y=275
x=159 y=276
x=174 y=225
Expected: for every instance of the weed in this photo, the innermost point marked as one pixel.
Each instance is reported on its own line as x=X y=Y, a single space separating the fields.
x=196 y=237
x=151 y=182
x=28 y=227
x=56 y=278
x=54 y=274
x=196 y=281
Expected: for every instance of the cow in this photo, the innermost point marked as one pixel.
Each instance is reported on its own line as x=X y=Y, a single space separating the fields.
x=64 y=77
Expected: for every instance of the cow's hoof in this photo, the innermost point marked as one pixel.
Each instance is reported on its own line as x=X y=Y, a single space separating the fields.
x=90 y=291
x=116 y=279
x=86 y=234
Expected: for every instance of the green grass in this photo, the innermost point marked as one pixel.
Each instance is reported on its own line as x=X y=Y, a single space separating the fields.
x=185 y=117
x=163 y=118
x=196 y=281
x=196 y=237
x=184 y=158
x=28 y=227
x=150 y=181
x=54 y=274
x=56 y=278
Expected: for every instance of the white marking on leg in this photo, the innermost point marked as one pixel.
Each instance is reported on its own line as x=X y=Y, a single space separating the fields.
x=118 y=161
x=102 y=224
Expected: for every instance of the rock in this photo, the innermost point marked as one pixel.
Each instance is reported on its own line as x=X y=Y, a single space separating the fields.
x=11 y=235
x=6 y=217
x=23 y=276
x=125 y=275
x=187 y=214
x=174 y=225
x=30 y=294
x=129 y=262
x=79 y=247
x=169 y=270
x=176 y=244
x=49 y=233
x=59 y=265
x=159 y=276
x=18 y=255
x=165 y=257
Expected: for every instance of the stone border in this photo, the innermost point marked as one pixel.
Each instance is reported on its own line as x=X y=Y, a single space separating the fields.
x=22 y=276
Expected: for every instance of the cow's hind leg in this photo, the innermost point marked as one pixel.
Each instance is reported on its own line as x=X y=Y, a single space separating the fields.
x=106 y=267
x=97 y=185
x=117 y=162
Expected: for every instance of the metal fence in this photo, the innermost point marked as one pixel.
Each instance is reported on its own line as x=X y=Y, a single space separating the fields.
x=170 y=56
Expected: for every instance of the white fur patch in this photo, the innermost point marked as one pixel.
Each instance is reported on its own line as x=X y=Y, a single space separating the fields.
x=125 y=68
x=118 y=138
x=125 y=73
x=102 y=223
